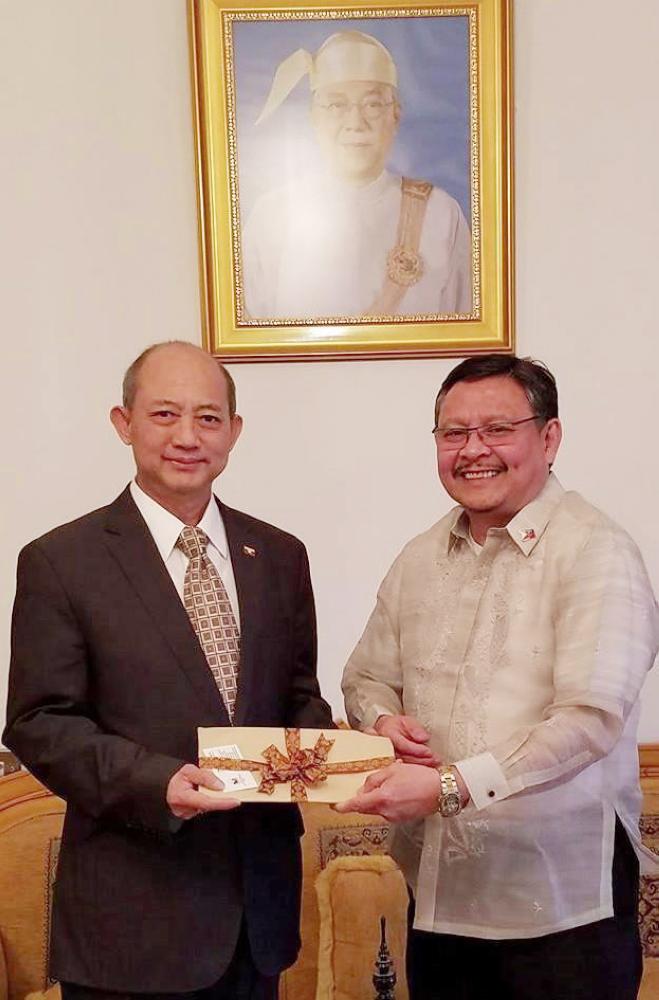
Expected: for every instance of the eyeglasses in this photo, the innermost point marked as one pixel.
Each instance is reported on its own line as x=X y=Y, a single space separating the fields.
x=502 y=432
x=370 y=108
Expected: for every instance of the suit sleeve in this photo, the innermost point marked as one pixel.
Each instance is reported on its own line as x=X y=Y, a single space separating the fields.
x=51 y=723
x=306 y=707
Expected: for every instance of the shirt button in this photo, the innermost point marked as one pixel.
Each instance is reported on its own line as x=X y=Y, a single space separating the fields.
x=491 y=793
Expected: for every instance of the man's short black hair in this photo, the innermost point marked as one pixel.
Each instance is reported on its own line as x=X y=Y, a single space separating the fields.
x=533 y=376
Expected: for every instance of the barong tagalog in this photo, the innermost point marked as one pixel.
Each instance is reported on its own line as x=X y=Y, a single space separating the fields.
x=294 y=765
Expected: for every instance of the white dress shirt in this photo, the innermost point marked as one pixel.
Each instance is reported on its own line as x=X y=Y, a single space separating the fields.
x=165 y=529
x=319 y=247
x=524 y=661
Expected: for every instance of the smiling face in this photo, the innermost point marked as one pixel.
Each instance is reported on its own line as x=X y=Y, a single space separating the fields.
x=355 y=124
x=179 y=428
x=494 y=482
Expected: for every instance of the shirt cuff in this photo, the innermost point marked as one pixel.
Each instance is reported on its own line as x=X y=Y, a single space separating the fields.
x=484 y=779
x=372 y=714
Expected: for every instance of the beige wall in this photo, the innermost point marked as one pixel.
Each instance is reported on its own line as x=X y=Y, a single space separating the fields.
x=98 y=259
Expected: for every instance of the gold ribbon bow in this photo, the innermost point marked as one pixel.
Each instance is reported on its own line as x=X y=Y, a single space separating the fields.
x=303 y=768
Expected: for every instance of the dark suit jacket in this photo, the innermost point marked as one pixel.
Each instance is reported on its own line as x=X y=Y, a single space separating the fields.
x=107 y=686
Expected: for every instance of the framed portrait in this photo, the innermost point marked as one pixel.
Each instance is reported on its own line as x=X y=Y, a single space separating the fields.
x=354 y=178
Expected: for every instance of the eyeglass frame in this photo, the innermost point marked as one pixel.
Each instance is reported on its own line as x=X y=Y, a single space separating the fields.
x=355 y=104
x=468 y=431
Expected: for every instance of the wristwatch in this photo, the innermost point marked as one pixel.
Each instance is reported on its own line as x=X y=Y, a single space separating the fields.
x=449 y=793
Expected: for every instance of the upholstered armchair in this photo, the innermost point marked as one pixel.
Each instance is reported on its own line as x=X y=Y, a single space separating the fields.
x=30 y=829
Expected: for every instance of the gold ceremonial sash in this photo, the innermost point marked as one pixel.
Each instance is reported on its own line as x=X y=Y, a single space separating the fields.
x=405 y=264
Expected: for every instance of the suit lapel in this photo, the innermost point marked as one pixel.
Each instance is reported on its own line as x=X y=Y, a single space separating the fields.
x=250 y=576
x=131 y=544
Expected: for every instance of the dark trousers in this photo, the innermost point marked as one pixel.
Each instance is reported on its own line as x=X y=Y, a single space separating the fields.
x=599 y=961
x=241 y=981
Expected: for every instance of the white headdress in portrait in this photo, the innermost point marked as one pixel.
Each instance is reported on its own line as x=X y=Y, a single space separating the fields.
x=343 y=57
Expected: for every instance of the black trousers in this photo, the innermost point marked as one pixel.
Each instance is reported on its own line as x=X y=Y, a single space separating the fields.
x=241 y=981
x=599 y=961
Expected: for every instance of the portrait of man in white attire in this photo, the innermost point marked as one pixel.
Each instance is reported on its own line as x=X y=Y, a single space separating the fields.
x=348 y=235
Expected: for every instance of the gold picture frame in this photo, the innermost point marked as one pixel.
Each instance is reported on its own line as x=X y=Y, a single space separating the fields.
x=296 y=231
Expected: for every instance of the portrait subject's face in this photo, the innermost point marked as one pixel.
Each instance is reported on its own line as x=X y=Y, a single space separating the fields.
x=355 y=125
x=494 y=482
x=179 y=426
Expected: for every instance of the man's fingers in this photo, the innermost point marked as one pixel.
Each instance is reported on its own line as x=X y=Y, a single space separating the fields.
x=371 y=782
x=193 y=803
x=427 y=761
x=184 y=799
x=364 y=802
x=206 y=779
x=416 y=753
x=415 y=749
x=407 y=734
x=375 y=780
x=350 y=805
x=207 y=803
x=414 y=730
x=218 y=804
x=370 y=797
x=405 y=747
x=344 y=807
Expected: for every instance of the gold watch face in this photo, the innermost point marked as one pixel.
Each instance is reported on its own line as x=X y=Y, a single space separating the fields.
x=450 y=804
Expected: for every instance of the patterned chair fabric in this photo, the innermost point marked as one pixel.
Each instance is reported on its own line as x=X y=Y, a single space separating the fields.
x=648 y=909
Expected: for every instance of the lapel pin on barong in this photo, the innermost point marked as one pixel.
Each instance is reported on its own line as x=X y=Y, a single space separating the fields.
x=249 y=551
x=528 y=535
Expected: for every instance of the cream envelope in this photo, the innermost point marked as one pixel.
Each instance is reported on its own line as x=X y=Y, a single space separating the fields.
x=375 y=751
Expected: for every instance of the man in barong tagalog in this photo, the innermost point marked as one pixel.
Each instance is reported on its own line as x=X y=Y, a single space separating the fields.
x=504 y=658
x=353 y=239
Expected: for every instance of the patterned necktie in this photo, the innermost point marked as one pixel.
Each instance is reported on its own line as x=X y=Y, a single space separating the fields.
x=211 y=615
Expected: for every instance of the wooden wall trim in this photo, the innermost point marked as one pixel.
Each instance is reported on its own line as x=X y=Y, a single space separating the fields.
x=648 y=754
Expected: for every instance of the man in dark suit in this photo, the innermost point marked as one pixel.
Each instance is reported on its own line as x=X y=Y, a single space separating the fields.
x=162 y=889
